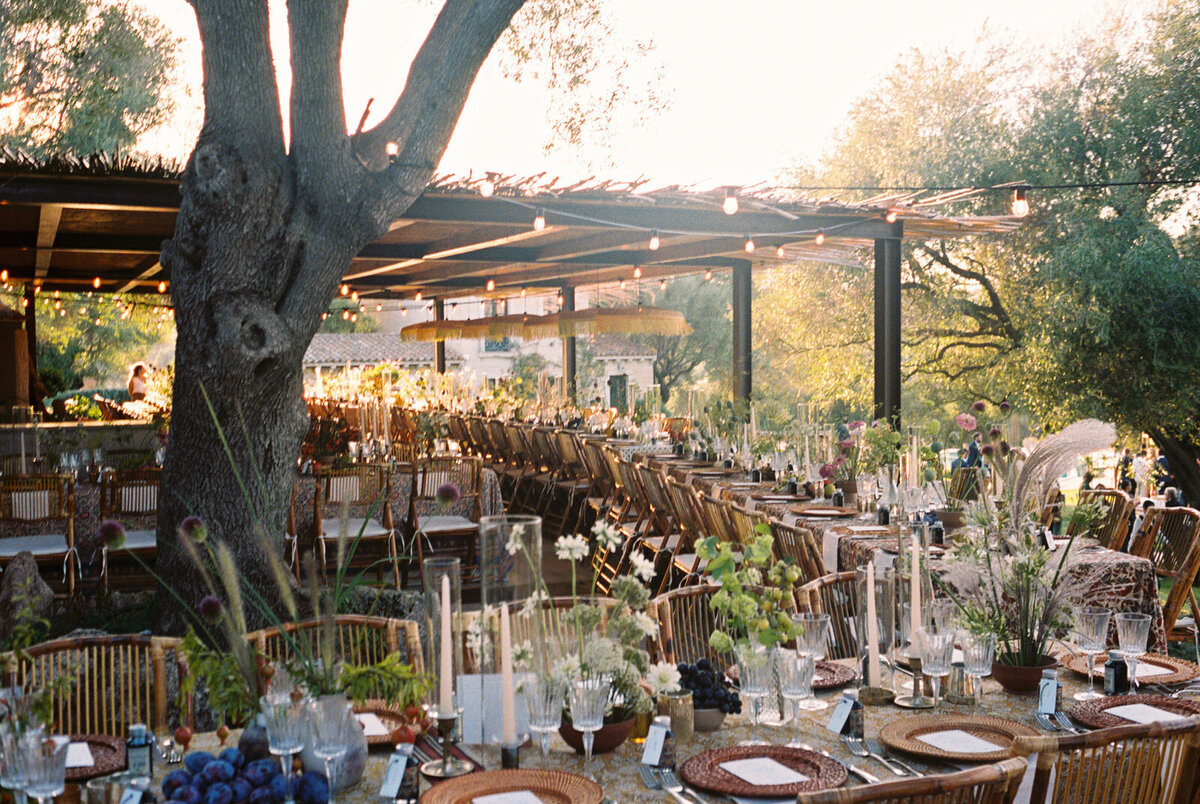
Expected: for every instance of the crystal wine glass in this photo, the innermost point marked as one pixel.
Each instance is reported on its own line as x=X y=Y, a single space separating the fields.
x=45 y=762
x=589 y=696
x=979 y=651
x=1133 y=632
x=12 y=770
x=937 y=653
x=795 y=677
x=1091 y=629
x=331 y=718
x=812 y=634
x=545 y=701
x=285 y=734
x=755 y=667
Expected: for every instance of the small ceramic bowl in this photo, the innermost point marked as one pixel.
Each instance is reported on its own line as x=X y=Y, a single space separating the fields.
x=708 y=719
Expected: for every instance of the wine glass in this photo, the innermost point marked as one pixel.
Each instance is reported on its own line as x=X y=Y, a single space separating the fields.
x=45 y=762
x=795 y=678
x=330 y=720
x=285 y=734
x=589 y=696
x=754 y=677
x=937 y=653
x=914 y=501
x=544 y=699
x=12 y=770
x=1091 y=629
x=1133 y=631
x=979 y=651
x=812 y=634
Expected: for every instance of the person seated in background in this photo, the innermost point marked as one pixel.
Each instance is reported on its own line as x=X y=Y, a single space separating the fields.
x=137 y=382
x=1129 y=486
x=1088 y=479
x=1173 y=498
x=1137 y=524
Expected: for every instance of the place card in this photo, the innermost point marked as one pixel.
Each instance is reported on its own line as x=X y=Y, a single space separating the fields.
x=371 y=724
x=959 y=742
x=1142 y=713
x=1146 y=670
x=513 y=797
x=79 y=755
x=763 y=771
x=393 y=777
x=741 y=800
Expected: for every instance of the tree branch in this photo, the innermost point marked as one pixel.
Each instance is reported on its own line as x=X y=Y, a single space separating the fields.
x=318 y=113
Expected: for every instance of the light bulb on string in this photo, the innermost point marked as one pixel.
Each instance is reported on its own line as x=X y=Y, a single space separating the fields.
x=38 y=288
x=655 y=242
x=96 y=282
x=419 y=296
x=539 y=220
x=730 y=204
x=891 y=216
x=637 y=272
x=346 y=314
x=354 y=317
x=1020 y=204
x=453 y=306
x=83 y=311
x=779 y=252
x=523 y=292
x=392 y=148
x=819 y=239
x=378 y=308
x=345 y=290
x=487 y=187
x=662 y=285
x=57 y=304
x=56 y=294
x=162 y=287
x=362 y=308
x=403 y=311
x=491 y=284
x=97 y=322
x=622 y=284
x=748 y=245
x=63 y=311
x=4 y=275
x=559 y=299
x=708 y=275
x=354 y=295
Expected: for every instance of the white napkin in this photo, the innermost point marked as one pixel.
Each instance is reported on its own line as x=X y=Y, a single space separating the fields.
x=514 y=797
x=743 y=800
x=763 y=771
x=867 y=529
x=1145 y=670
x=372 y=725
x=79 y=755
x=958 y=741
x=1142 y=713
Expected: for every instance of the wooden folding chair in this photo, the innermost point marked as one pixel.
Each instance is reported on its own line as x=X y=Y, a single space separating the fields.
x=131 y=497
x=353 y=511
x=37 y=514
x=987 y=784
x=1170 y=538
x=431 y=531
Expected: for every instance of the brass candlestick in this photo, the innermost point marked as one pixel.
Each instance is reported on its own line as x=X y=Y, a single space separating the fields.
x=918 y=700
x=449 y=765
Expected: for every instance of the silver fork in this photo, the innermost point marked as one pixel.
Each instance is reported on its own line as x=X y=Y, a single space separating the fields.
x=878 y=748
x=672 y=782
x=1046 y=722
x=856 y=747
x=651 y=780
x=1066 y=723
x=869 y=778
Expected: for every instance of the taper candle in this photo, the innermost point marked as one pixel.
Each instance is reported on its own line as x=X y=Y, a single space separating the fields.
x=508 y=702
x=874 y=671
x=446 y=699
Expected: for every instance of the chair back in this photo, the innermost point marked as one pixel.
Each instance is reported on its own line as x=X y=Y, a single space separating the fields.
x=117 y=681
x=987 y=784
x=685 y=622
x=36 y=498
x=964 y=483
x=834 y=595
x=745 y=522
x=653 y=484
x=799 y=545
x=1151 y=762
x=360 y=489
x=1170 y=538
x=356 y=639
x=430 y=474
x=717 y=520
x=132 y=493
x=1114 y=527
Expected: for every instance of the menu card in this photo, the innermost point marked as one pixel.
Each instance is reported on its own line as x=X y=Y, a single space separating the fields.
x=959 y=742
x=763 y=771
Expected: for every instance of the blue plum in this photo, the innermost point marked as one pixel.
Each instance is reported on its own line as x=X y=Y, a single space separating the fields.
x=188 y=794
x=261 y=771
x=217 y=771
x=241 y=790
x=219 y=793
x=175 y=780
x=233 y=756
x=196 y=761
x=312 y=789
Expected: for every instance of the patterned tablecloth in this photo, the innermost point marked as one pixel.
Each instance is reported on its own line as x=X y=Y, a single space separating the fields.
x=1104 y=578
x=617 y=772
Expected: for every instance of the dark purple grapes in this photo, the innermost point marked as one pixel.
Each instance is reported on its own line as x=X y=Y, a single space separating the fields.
x=710 y=689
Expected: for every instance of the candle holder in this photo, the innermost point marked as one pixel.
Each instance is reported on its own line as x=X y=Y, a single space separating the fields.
x=919 y=699
x=449 y=765
x=443 y=631
x=875 y=589
x=510 y=757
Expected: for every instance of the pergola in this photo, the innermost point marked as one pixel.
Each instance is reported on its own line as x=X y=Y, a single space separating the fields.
x=97 y=224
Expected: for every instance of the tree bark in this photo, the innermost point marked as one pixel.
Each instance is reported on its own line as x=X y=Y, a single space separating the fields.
x=1181 y=457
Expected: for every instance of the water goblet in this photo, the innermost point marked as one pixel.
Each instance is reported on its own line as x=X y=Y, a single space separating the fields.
x=755 y=667
x=1133 y=631
x=331 y=718
x=812 y=635
x=795 y=678
x=285 y=734
x=45 y=762
x=12 y=770
x=937 y=654
x=1091 y=630
x=589 y=696
x=544 y=699
x=979 y=651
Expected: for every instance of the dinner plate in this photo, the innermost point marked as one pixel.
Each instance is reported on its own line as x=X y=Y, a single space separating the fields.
x=1093 y=715
x=1177 y=670
x=829 y=675
x=108 y=756
x=902 y=734
x=550 y=786
x=705 y=771
x=824 y=513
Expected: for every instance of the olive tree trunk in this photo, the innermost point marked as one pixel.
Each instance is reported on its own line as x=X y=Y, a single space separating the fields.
x=264 y=234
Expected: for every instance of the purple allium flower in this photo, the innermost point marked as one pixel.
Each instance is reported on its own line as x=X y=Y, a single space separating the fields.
x=966 y=421
x=447 y=494
x=112 y=534
x=980 y=406
x=987 y=450
x=1005 y=406
x=826 y=470
x=994 y=433
x=193 y=528
x=1004 y=449
x=210 y=608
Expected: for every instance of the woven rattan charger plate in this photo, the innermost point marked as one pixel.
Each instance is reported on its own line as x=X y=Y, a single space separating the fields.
x=829 y=675
x=392 y=718
x=1181 y=670
x=902 y=735
x=705 y=771
x=552 y=787
x=1092 y=714
x=108 y=756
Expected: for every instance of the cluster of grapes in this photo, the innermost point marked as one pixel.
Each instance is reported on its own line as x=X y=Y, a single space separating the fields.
x=709 y=688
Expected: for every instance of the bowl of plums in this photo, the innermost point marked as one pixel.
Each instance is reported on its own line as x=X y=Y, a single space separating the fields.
x=712 y=695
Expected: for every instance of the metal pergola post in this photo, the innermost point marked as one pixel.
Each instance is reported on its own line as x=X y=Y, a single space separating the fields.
x=568 y=346
x=742 y=341
x=439 y=349
x=888 y=328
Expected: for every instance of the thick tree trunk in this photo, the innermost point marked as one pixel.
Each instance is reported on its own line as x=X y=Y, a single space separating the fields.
x=1181 y=456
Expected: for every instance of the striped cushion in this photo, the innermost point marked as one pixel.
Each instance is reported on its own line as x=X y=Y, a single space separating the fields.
x=31 y=504
x=141 y=498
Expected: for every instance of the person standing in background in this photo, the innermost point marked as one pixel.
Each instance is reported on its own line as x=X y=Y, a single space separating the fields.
x=137 y=382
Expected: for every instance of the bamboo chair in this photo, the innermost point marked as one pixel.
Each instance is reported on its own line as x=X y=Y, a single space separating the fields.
x=1111 y=531
x=988 y=784
x=745 y=522
x=1170 y=538
x=429 y=533
x=799 y=546
x=118 y=681
x=39 y=513
x=717 y=520
x=359 y=639
x=362 y=494
x=834 y=595
x=132 y=498
x=687 y=567
x=577 y=483
x=1151 y=762
x=685 y=622
x=662 y=547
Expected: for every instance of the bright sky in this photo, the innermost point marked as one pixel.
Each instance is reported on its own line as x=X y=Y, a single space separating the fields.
x=755 y=85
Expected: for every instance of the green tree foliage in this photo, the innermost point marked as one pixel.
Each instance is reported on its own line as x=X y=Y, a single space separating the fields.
x=344 y=316
x=680 y=359
x=80 y=75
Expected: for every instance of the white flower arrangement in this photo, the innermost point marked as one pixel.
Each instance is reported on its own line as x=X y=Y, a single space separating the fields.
x=663 y=679
x=571 y=548
x=514 y=544
x=642 y=567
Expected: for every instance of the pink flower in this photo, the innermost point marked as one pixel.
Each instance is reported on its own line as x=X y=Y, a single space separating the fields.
x=966 y=421
x=826 y=470
x=857 y=426
x=847 y=444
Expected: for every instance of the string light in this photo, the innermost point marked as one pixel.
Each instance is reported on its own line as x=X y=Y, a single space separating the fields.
x=730 y=204
x=523 y=292
x=392 y=148
x=62 y=311
x=419 y=296
x=749 y=245
x=487 y=187
x=453 y=306
x=4 y=275
x=96 y=282
x=378 y=308
x=819 y=239
x=346 y=314
x=354 y=317
x=491 y=284
x=403 y=311
x=354 y=296
x=779 y=252
x=539 y=220
x=622 y=284
x=345 y=290
x=97 y=321
x=654 y=240
x=891 y=216
x=162 y=287
x=362 y=308
x=708 y=275
x=1020 y=204
x=662 y=285
x=637 y=272
x=56 y=294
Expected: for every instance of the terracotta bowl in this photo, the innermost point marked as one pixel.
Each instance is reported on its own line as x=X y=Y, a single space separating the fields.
x=610 y=736
x=1014 y=678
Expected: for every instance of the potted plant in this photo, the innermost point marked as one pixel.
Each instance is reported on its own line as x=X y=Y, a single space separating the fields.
x=1010 y=583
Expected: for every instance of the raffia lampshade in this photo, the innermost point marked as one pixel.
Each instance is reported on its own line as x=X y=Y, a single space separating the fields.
x=432 y=331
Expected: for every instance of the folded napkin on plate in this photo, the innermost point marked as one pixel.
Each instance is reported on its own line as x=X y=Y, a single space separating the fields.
x=79 y=755
x=763 y=771
x=513 y=797
x=372 y=725
x=959 y=742
x=1142 y=713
